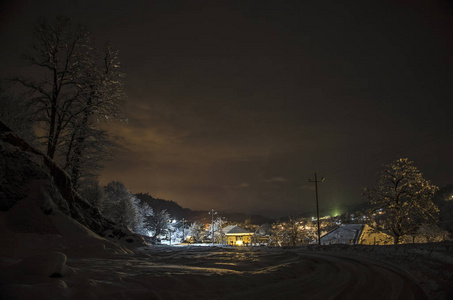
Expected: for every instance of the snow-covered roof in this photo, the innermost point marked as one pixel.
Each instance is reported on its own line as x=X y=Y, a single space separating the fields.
x=235 y=230
x=345 y=234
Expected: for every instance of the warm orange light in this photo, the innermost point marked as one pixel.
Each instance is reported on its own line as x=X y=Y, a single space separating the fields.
x=239 y=243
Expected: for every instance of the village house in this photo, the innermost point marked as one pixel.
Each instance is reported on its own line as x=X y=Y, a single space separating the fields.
x=237 y=236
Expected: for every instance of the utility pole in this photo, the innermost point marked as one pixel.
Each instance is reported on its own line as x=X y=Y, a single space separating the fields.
x=317 y=205
x=183 y=222
x=212 y=213
x=169 y=228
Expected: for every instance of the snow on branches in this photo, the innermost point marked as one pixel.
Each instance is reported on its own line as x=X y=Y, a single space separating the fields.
x=402 y=200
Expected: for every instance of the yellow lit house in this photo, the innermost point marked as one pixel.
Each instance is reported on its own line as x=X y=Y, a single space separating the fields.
x=237 y=236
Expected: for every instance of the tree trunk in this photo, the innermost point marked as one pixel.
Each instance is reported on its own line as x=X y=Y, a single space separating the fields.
x=396 y=239
x=51 y=135
x=52 y=139
x=79 y=147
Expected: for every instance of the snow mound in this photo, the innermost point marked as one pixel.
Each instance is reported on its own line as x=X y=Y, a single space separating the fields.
x=55 y=289
x=52 y=264
x=36 y=277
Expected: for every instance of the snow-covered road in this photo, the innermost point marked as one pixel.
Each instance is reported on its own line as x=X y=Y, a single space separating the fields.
x=165 y=272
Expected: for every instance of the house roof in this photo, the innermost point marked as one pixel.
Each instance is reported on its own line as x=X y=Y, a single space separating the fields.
x=235 y=230
x=343 y=234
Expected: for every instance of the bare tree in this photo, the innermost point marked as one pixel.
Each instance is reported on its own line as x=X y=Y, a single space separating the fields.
x=60 y=55
x=86 y=149
x=402 y=200
x=93 y=193
x=74 y=89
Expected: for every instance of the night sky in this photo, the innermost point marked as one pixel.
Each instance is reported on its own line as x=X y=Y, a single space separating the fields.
x=233 y=105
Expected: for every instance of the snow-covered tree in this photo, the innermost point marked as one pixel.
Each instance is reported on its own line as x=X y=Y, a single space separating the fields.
x=219 y=236
x=158 y=222
x=402 y=200
x=197 y=231
x=288 y=233
x=175 y=231
x=119 y=205
x=145 y=214
x=101 y=98
x=430 y=233
x=181 y=231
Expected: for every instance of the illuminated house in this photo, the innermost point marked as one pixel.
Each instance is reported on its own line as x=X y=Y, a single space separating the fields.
x=237 y=236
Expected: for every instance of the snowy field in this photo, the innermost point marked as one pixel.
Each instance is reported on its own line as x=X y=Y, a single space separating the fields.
x=189 y=272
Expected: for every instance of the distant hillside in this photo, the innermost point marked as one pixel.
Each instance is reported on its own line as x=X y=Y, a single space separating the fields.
x=241 y=217
x=175 y=210
x=178 y=212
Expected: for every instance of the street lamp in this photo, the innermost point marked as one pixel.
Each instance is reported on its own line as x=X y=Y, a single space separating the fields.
x=317 y=205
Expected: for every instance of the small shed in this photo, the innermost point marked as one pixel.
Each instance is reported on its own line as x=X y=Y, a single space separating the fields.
x=237 y=236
